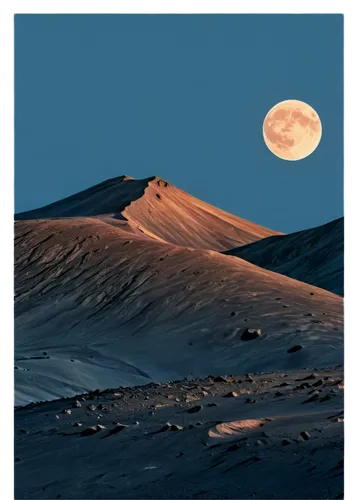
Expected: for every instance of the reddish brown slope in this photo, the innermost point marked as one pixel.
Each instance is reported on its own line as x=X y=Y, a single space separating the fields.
x=159 y=210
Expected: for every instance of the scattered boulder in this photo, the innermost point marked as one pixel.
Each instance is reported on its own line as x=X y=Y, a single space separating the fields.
x=278 y=394
x=92 y=430
x=118 y=428
x=76 y=404
x=77 y=424
x=176 y=427
x=195 y=409
x=92 y=407
x=251 y=334
x=314 y=397
x=285 y=442
x=221 y=379
x=295 y=348
x=249 y=400
x=67 y=412
x=305 y=435
x=304 y=385
x=231 y=394
x=18 y=459
x=318 y=383
x=171 y=427
x=212 y=404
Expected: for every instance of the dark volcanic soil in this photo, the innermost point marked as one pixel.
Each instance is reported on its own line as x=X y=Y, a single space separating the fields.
x=273 y=435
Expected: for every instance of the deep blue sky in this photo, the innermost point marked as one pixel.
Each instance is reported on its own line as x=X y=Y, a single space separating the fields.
x=182 y=97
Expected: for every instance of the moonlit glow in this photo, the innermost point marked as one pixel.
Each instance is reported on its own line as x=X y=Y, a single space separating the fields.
x=292 y=130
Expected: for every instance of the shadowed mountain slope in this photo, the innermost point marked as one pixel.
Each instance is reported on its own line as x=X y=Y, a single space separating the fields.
x=314 y=255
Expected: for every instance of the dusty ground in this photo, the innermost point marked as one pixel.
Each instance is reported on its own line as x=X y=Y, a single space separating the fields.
x=279 y=436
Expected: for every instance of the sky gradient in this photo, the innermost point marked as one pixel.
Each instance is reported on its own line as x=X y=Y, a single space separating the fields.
x=182 y=97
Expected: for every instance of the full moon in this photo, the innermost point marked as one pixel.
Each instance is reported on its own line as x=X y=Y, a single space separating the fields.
x=292 y=130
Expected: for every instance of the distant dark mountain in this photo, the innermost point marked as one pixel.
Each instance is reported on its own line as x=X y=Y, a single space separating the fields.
x=314 y=256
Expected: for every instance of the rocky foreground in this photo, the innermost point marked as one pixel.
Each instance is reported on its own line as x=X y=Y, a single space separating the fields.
x=273 y=435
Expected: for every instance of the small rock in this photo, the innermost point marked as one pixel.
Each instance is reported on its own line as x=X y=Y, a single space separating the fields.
x=57 y=416
x=24 y=431
x=166 y=427
x=259 y=442
x=118 y=428
x=101 y=407
x=91 y=407
x=311 y=399
x=195 y=409
x=314 y=391
x=304 y=385
x=278 y=394
x=305 y=435
x=180 y=454
x=210 y=405
x=295 y=348
x=136 y=422
x=176 y=427
x=77 y=424
x=249 y=400
x=249 y=379
x=67 y=412
x=45 y=353
x=308 y=314
x=285 y=442
x=92 y=430
x=18 y=459
x=231 y=394
x=76 y=404
x=251 y=334
x=233 y=313
x=311 y=293
x=318 y=383
x=221 y=379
